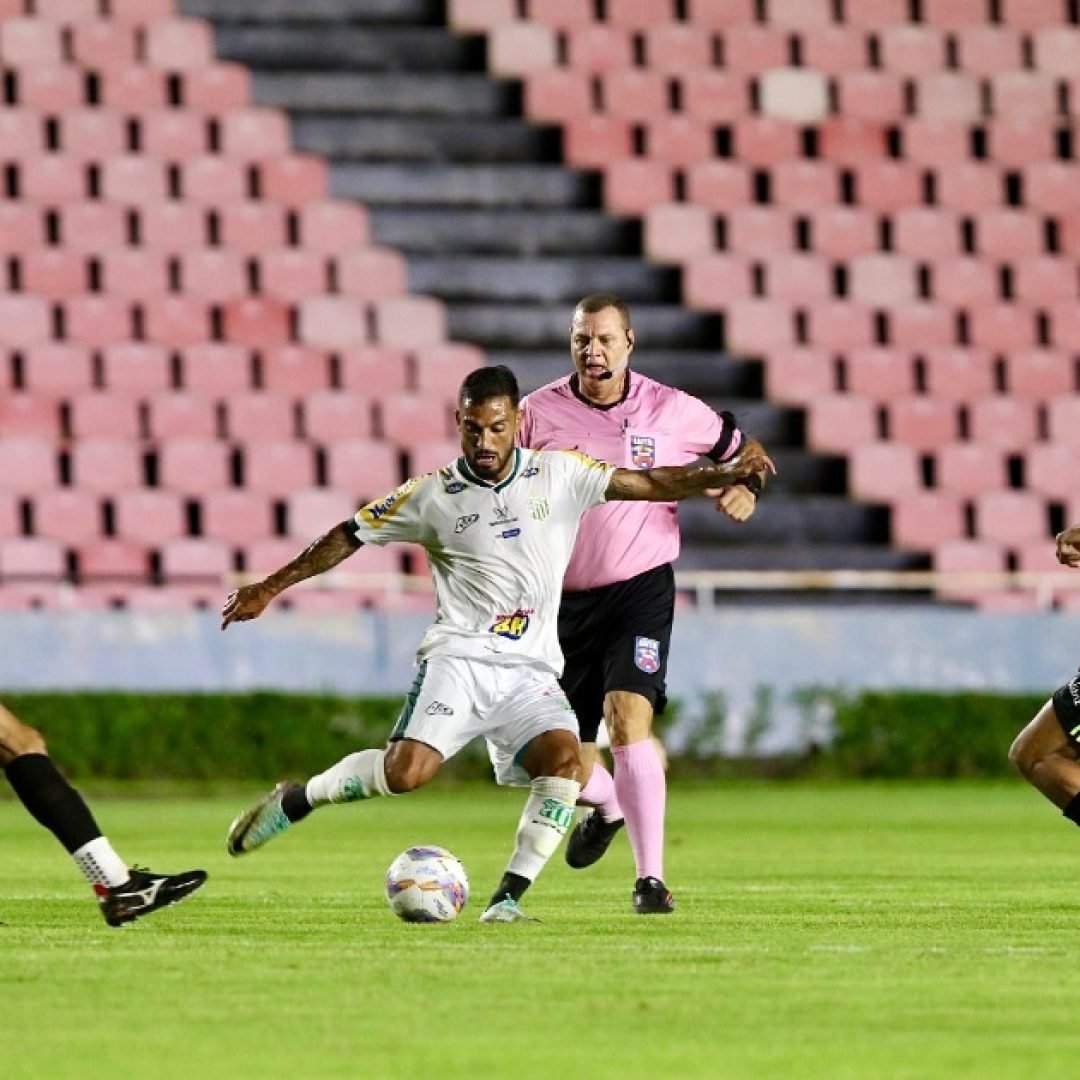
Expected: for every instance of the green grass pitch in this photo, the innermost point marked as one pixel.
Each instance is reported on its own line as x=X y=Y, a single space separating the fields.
x=852 y=930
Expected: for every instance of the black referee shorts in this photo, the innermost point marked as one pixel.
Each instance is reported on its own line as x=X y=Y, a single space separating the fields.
x=616 y=637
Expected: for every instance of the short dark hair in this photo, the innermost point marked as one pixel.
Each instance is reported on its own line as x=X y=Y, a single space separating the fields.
x=486 y=383
x=594 y=302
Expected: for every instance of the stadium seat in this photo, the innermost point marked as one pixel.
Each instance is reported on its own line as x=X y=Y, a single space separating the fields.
x=1024 y=93
x=713 y=96
x=25 y=42
x=638 y=14
x=293 y=369
x=181 y=414
x=1064 y=325
x=253 y=133
x=840 y=422
x=22 y=227
x=797 y=277
x=54 y=273
x=879 y=374
x=834 y=48
x=133 y=273
x=1010 y=517
x=149 y=516
x=1004 y=422
x=971 y=185
x=882 y=280
x=633 y=185
x=439 y=369
x=104 y=415
x=172 y=135
x=333 y=227
x=372 y=273
x=964 y=280
x=133 y=90
x=369 y=467
x=253 y=227
x=213 y=181
x=1001 y=326
x=597 y=48
x=840 y=325
x=590 y=141
x=293 y=179
x=210 y=274
x=718 y=185
x=1041 y=374
x=28 y=463
x=408 y=418
x=97 y=319
x=748 y=230
x=987 y=49
x=921 y=325
x=711 y=281
x=758 y=326
x=1006 y=233
x=28 y=414
x=951 y=96
x=337 y=414
x=260 y=322
x=56 y=368
x=796 y=376
x=910 y=49
x=925 y=232
x=31 y=558
x=676 y=47
x=1052 y=187
x=106 y=465
x=804 y=185
x=925 y=520
x=754 y=48
x=277 y=466
x=679 y=140
x=959 y=374
x=68 y=514
x=634 y=93
x=1050 y=470
x=133 y=180
x=764 y=140
x=849 y=141
x=887 y=185
x=235 y=516
x=177 y=320
x=1064 y=421
x=179 y=44
x=883 y=471
x=311 y=513
x=970 y=468
x=194 y=466
x=292 y=274
x=410 y=322
x=260 y=416
x=923 y=422
x=1042 y=279
x=197 y=557
x=172 y=227
x=51 y=87
x=91 y=134
x=843 y=232
x=877 y=96
x=936 y=142
x=557 y=94
x=216 y=368
x=430 y=456
x=1055 y=49
x=52 y=179
x=216 y=88
x=375 y=369
x=1016 y=141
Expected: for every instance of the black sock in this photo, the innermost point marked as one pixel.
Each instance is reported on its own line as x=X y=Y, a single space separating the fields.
x=52 y=801
x=1072 y=810
x=294 y=804
x=512 y=885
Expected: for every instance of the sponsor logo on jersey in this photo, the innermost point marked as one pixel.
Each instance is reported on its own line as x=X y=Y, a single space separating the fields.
x=647 y=655
x=508 y=534
x=465 y=521
x=514 y=625
x=532 y=470
x=586 y=459
x=376 y=513
x=643 y=451
x=437 y=708
x=539 y=508
x=455 y=487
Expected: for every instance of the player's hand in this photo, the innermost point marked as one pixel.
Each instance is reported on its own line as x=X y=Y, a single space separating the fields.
x=1068 y=546
x=247 y=602
x=737 y=502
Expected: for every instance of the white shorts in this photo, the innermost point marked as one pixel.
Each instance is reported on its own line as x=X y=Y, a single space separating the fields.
x=455 y=699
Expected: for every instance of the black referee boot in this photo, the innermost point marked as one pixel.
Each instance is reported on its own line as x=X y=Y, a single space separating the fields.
x=652 y=897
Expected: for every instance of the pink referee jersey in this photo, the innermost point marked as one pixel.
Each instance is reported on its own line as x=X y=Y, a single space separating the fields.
x=652 y=425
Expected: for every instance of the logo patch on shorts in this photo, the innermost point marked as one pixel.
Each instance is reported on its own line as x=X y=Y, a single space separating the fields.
x=647 y=655
x=643 y=451
x=437 y=708
x=512 y=626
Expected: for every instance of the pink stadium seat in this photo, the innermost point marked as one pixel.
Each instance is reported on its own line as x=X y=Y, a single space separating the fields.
x=718 y=185
x=758 y=326
x=877 y=14
x=22 y=227
x=797 y=277
x=333 y=226
x=254 y=133
x=149 y=516
x=28 y=464
x=134 y=273
x=887 y=185
x=840 y=325
x=1007 y=423
x=877 y=96
x=955 y=14
x=1007 y=233
x=372 y=273
x=989 y=49
x=181 y=414
x=882 y=471
x=924 y=520
x=753 y=48
x=676 y=47
x=597 y=48
x=24 y=413
x=133 y=180
x=751 y=230
x=1050 y=470
x=1010 y=517
x=179 y=44
x=292 y=274
x=369 y=467
x=213 y=274
x=333 y=322
x=1056 y=49
x=959 y=374
x=951 y=96
x=718 y=14
x=922 y=422
x=1052 y=187
x=25 y=320
x=191 y=557
x=839 y=422
x=970 y=468
x=103 y=43
x=439 y=369
x=1033 y=14
x=311 y=513
x=676 y=231
x=133 y=89
x=408 y=419
x=1043 y=279
x=922 y=325
x=843 y=232
x=638 y=14
x=293 y=179
x=712 y=95
x=879 y=373
x=593 y=140
x=803 y=185
x=936 y=142
x=173 y=227
x=263 y=555
x=278 y=466
x=97 y=319
x=91 y=134
x=834 y=49
x=260 y=322
x=800 y=14
x=883 y=280
x=217 y=88
x=711 y=281
x=968 y=186
x=52 y=179
x=849 y=141
x=1016 y=141
x=1001 y=326
x=31 y=557
x=294 y=369
x=9 y=513
x=210 y=180
x=557 y=93
x=964 y=280
x=104 y=415
x=1037 y=555
x=634 y=93
x=1024 y=93
x=135 y=367
x=194 y=466
x=926 y=232
x=176 y=320
x=216 y=368
x=173 y=135
x=67 y=11
x=236 y=516
x=22 y=133
x=375 y=369
x=910 y=49
x=106 y=464
x=67 y=514
x=253 y=227
x=634 y=185
x=1064 y=421
x=968 y=557
x=765 y=140
x=50 y=87
x=260 y=416
x=425 y=457
x=1040 y=374
x=337 y=414
x=1064 y=320
x=679 y=140
x=25 y=42
x=798 y=375
x=56 y=368
x=54 y=273
x=411 y=322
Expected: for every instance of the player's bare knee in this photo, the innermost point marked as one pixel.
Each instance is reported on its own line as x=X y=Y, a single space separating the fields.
x=1020 y=754
x=17 y=739
x=408 y=767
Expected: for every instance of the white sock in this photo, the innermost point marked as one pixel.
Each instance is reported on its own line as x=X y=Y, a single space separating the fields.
x=549 y=812
x=358 y=776
x=101 y=865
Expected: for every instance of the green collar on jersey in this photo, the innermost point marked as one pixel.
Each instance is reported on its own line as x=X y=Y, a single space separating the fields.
x=466 y=471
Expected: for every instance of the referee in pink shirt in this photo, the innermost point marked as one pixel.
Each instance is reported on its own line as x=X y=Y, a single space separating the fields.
x=619 y=590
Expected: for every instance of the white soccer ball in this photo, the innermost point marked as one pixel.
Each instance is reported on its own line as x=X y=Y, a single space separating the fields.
x=426 y=884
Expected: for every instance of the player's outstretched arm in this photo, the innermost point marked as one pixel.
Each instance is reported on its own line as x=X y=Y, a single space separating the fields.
x=249 y=601
x=672 y=483
x=1068 y=546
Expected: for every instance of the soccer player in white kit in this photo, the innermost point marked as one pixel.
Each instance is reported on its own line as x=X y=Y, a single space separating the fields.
x=498 y=526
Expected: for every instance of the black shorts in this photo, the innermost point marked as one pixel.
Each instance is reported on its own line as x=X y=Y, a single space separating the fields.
x=616 y=637
x=1066 y=701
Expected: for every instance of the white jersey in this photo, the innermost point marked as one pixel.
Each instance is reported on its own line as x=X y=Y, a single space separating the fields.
x=498 y=552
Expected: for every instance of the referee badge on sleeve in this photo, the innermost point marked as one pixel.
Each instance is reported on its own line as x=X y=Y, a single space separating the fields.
x=647 y=655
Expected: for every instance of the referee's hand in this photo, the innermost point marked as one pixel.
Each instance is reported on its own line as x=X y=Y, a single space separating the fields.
x=737 y=502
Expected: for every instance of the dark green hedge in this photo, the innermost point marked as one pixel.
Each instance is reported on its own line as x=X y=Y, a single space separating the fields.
x=261 y=736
